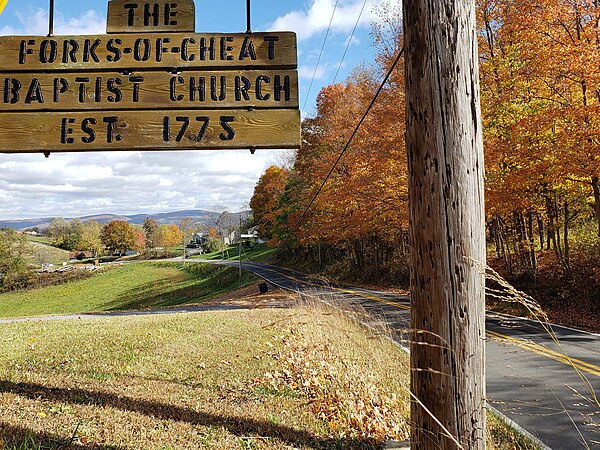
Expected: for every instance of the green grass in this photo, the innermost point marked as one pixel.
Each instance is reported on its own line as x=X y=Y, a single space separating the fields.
x=39 y=252
x=259 y=253
x=186 y=381
x=39 y=239
x=503 y=437
x=133 y=286
x=302 y=378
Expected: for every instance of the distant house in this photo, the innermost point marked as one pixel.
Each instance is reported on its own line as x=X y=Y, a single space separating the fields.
x=252 y=233
x=197 y=240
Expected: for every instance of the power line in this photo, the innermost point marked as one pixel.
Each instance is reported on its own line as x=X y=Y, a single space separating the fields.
x=320 y=54
x=349 y=41
x=383 y=82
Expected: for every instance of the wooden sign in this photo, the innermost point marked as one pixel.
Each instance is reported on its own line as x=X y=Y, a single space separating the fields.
x=149 y=130
x=126 y=16
x=148 y=51
x=71 y=91
x=151 y=84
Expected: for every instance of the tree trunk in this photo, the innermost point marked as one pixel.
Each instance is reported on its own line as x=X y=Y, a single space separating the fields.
x=566 y=264
x=445 y=156
x=533 y=255
x=540 y=223
x=596 y=187
x=496 y=228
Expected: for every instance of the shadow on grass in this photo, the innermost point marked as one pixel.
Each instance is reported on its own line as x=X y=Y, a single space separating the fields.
x=21 y=438
x=197 y=283
x=157 y=295
x=238 y=426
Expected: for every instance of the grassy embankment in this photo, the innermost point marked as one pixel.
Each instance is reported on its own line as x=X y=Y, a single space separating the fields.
x=133 y=286
x=257 y=379
x=234 y=379
x=40 y=251
x=304 y=377
x=259 y=253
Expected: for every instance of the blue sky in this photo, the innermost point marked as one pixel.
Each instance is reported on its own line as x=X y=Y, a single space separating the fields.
x=136 y=182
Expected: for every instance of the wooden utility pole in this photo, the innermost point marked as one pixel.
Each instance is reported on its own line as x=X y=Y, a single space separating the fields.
x=445 y=156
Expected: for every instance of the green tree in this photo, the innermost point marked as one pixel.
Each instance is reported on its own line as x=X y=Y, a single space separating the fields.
x=212 y=245
x=14 y=273
x=65 y=234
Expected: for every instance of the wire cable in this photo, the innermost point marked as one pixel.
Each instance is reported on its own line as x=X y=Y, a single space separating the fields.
x=320 y=55
x=349 y=41
x=345 y=148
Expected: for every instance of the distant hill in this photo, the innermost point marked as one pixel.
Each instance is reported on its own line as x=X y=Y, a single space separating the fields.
x=197 y=215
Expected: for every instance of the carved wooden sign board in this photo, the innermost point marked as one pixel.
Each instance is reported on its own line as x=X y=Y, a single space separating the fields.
x=150 y=83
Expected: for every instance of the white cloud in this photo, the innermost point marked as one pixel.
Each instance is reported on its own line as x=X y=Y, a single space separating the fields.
x=317 y=18
x=90 y=23
x=308 y=72
x=8 y=31
x=354 y=41
x=79 y=184
x=35 y=22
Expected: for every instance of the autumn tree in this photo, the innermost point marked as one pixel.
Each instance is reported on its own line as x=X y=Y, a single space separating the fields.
x=265 y=200
x=361 y=212
x=540 y=106
x=118 y=236
x=213 y=232
x=152 y=231
x=172 y=235
x=89 y=238
x=139 y=241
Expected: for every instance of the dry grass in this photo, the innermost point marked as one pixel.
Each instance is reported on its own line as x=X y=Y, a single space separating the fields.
x=193 y=381
x=302 y=377
x=502 y=437
x=359 y=389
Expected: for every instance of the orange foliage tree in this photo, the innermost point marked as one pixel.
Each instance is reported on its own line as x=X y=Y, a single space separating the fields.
x=265 y=200
x=361 y=214
x=118 y=236
x=540 y=93
x=540 y=101
x=172 y=235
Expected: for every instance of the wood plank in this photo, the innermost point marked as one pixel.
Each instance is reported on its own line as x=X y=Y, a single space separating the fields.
x=148 y=90
x=133 y=52
x=148 y=130
x=126 y=16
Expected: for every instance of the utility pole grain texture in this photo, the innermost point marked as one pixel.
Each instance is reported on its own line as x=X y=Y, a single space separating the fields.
x=445 y=157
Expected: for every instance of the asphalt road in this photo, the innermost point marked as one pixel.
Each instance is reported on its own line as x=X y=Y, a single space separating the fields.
x=547 y=382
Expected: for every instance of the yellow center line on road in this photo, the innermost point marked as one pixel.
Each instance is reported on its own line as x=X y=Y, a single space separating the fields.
x=548 y=353
x=532 y=347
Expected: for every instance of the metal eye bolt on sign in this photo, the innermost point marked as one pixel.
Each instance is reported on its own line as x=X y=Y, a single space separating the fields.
x=150 y=83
